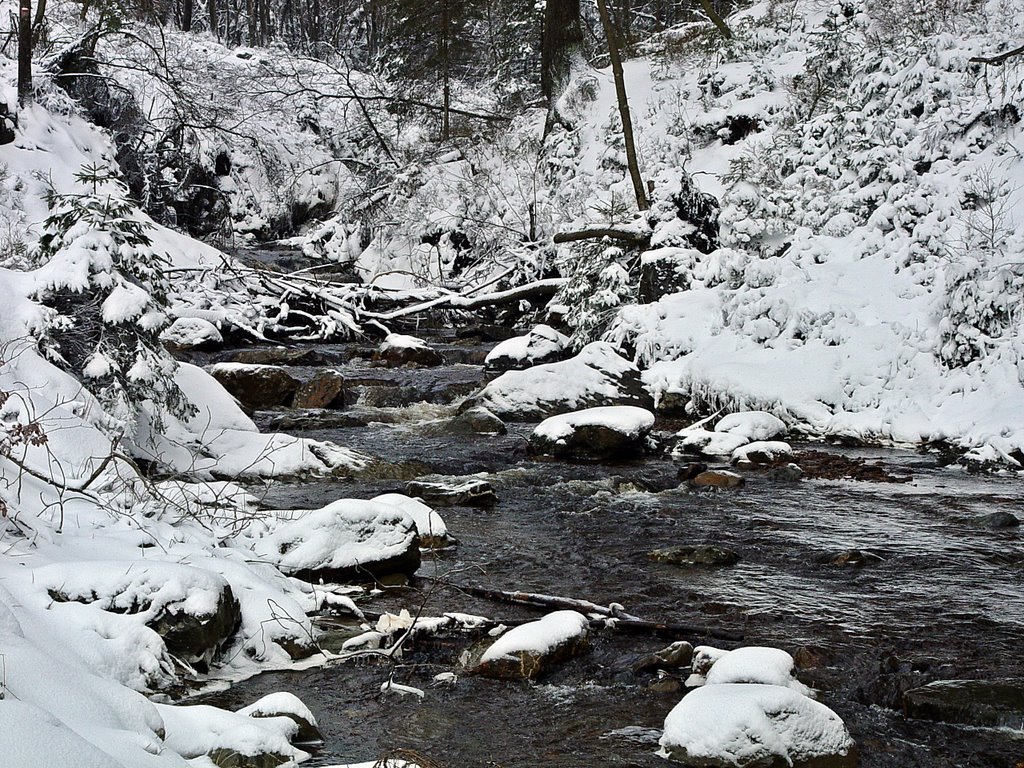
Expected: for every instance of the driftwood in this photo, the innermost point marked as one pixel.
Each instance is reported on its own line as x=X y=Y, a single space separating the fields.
x=615 y=615
x=628 y=236
x=531 y=291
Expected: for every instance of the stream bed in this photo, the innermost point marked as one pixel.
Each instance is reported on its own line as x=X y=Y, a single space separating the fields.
x=944 y=600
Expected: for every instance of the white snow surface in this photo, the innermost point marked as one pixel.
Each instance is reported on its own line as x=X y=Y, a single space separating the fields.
x=755 y=664
x=428 y=521
x=541 y=342
x=625 y=419
x=773 y=449
x=280 y=703
x=748 y=724
x=190 y=332
x=753 y=425
x=538 y=636
x=706 y=442
x=402 y=341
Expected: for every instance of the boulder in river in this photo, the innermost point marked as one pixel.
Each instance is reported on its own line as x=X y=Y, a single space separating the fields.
x=996 y=703
x=676 y=656
x=608 y=432
x=256 y=386
x=280 y=356
x=761 y=452
x=399 y=350
x=431 y=528
x=284 y=704
x=753 y=425
x=1003 y=519
x=755 y=664
x=348 y=540
x=597 y=376
x=477 y=421
x=739 y=725
x=191 y=333
x=704 y=442
x=541 y=345
x=718 y=478
x=460 y=493
x=531 y=649
x=325 y=390
x=709 y=554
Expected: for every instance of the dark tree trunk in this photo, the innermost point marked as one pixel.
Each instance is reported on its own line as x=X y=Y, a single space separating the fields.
x=25 y=52
x=186 y=15
x=211 y=9
x=620 y=93
x=446 y=31
x=717 y=20
x=561 y=47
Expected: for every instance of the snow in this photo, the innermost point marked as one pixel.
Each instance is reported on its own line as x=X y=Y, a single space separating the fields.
x=753 y=425
x=772 y=449
x=401 y=341
x=196 y=730
x=738 y=724
x=538 y=636
x=539 y=345
x=707 y=442
x=624 y=419
x=342 y=535
x=191 y=332
x=428 y=522
x=754 y=664
x=280 y=703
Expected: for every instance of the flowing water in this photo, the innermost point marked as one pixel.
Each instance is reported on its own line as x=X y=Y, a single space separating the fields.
x=945 y=600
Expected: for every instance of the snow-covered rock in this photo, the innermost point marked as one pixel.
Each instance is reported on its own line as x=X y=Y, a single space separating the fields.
x=597 y=376
x=755 y=664
x=541 y=345
x=476 y=421
x=532 y=649
x=398 y=349
x=192 y=333
x=705 y=442
x=753 y=425
x=455 y=493
x=284 y=704
x=746 y=725
x=593 y=433
x=432 y=529
x=762 y=452
x=348 y=540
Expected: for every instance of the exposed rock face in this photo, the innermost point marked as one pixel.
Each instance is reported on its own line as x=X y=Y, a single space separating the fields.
x=691 y=555
x=224 y=757
x=397 y=350
x=532 y=649
x=718 y=478
x=595 y=433
x=256 y=386
x=999 y=520
x=325 y=390
x=468 y=493
x=279 y=356
x=971 y=702
x=675 y=656
x=597 y=376
x=541 y=345
x=197 y=638
x=477 y=421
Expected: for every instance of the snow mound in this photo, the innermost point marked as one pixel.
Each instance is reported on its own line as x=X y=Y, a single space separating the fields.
x=706 y=442
x=538 y=637
x=753 y=425
x=625 y=419
x=755 y=664
x=541 y=345
x=198 y=730
x=755 y=725
x=401 y=341
x=429 y=524
x=762 y=451
x=191 y=333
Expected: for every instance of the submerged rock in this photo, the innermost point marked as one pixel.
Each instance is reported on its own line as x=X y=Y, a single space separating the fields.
x=399 y=350
x=853 y=557
x=594 y=433
x=970 y=702
x=256 y=386
x=597 y=376
x=462 y=493
x=738 y=725
x=999 y=520
x=695 y=555
x=532 y=649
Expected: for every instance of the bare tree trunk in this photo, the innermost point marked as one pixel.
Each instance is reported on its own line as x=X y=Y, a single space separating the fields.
x=38 y=26
x=446 y=23
x=211 y=9
x=561 y=47
x=620 y=93
x=717 y=20
x=25 y=52
x=186 y=15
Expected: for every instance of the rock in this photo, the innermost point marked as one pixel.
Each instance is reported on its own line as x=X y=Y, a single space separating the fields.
x=755 y=664
x=196 y=638
x=718 y=478
x=999 y=520
x=467 y=493
x=594 y=433
x=741 y=725
x=431 y=528
x=761 y=452
x=348 y=540
x=854 y=557
x=279 y=356
x=8 y=124
x=665 y=685
x=666 y=270
x=704 y=657
x=810 y=657
x=597 y=376
x=753 y=425
x=541 y=345
x=705 y=443
x=675 y=656
x=691 y=470
x=397 y=350
x=790 y=473
x=191 y=333
x=288 y=705
x=994 y=703
x=531 y=649
x=325 y=390
x=256 y=386
x=689 y=555
x=224 y=757
x=477 y=421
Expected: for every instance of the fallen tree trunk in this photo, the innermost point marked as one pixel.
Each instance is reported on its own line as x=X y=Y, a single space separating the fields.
x=531 y=291
x=629 y=236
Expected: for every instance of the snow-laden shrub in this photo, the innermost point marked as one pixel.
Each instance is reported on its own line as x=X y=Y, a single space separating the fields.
x=599 y=287
x=106 y=288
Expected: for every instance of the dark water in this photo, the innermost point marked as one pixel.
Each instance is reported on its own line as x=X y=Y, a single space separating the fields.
x=945 y=601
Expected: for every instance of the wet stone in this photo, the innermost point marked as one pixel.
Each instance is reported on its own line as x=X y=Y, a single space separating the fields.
x=279 y=356
x=695 y=555
x=790 y=473
x=471 y=493
x=676 y=656
x=998 y=703
x=851 y=557
x=325 y=390
x=477 y=421
x=718 y=478
x=691 y=470
x=257 y=386
x=1000 y=520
